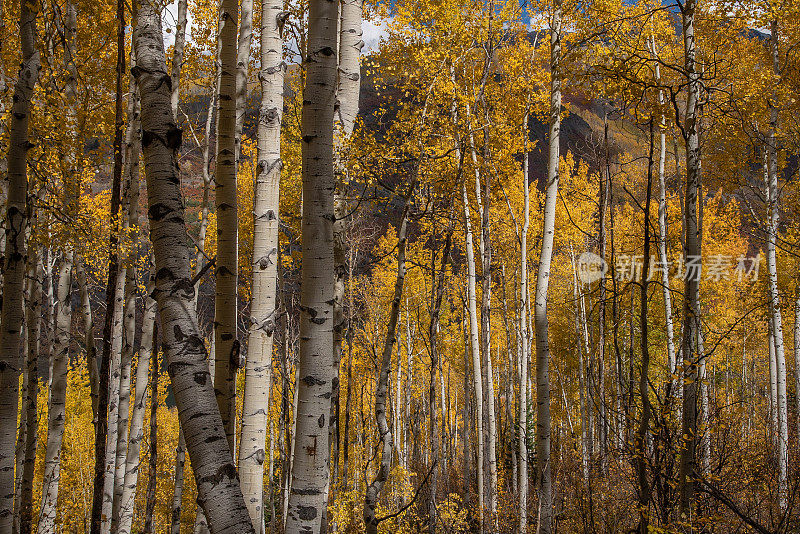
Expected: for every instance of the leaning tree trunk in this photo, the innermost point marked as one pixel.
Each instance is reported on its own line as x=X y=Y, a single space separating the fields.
x=217 y=484
x=16 y=220
x=382 y=388
x=258 y=367
x=310 y=468
x=136 y=435
x=543 y=464
x=691 y=250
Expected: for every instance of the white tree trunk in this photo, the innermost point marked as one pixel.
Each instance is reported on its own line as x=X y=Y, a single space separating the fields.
x=16 y=221
x=349 y=82
x=136 y=435
x=474 y=343
x=258 y=367
x=243 y=68
x=177 y=56
x=217 y=484
x=543 y=464
x=310 y=469
x=524 y=339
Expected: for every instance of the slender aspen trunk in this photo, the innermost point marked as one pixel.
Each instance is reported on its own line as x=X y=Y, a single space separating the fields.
x=381 y=392
x=128 y=332
x=243 y=69
x=349 y=79
x=663 y=231
x=310 y=468
x=88 y=336
x=177 y=56
x=263 y=305
x=600 y=394
x=58 y=396
x=774 y=305
x=691 y=249
x=16 y=220
x=797 y=353
x=524 y=339
x=437 y=294
x=543 y=464
x=29 y=413
x=177 y=491
x=226 y=342
x=643 y=432
x=100 y=511
x=218 y=488
x=582 y=381
x=475 y=348
x=136 y=435
x=150 y=498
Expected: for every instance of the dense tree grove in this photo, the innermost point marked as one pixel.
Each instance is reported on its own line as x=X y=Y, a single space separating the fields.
x=313 y=266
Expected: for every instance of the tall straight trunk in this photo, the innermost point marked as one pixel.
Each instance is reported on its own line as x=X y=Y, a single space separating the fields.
x=243 y=69
x=177 y=56
x=30 y=400
x=143 y=370
x=582 y=382
x=177 y=491
x=58 y=396
x=643 y=432
x=691 y=251
x=662 y=232
x=797 y=353
x=600 y=394
x=100 y=511
x=774 y=304
x=16 y=220
x=543 y=464
x=310 y=468
x=187 y=360
x=349 y=80
x=382 y=388
x=258 y=367
x=437 y=294
x=152 y=473
x=474 y=342
x=524 y=339
x=226 y=343
x=131 y=230
x=88 y=335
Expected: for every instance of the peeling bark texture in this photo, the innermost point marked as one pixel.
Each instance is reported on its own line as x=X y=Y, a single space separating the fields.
x=310 y=468
x=349 y=73
x=543 y=463
x=226 y=343
x=16 y=220
x=136 y=435
x=185 y=353
x=691 y=248
x=382 y=387
x=263 y=305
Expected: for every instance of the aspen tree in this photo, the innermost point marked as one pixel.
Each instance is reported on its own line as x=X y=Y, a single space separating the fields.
x=263 y=305
x=524 y=337
x=310 y=467
x=226 y=342
x=16 y=220
x=187 y=360
x=543 y=462
x=243 y=69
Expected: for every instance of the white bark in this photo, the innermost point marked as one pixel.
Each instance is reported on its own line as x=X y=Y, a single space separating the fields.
x=524 y=339
x=475 y=348
x=310 y=468
x=349 y=79
x=136 y=435
x=543 y=465
x=16 y=221
x=258 y=367
x=217 y=484
x=177 y=56
x=243 y=68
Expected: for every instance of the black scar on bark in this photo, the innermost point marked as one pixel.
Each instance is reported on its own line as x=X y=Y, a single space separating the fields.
x=200 y=377
x=306 y=513
x=321 y=421
x=312 y=380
